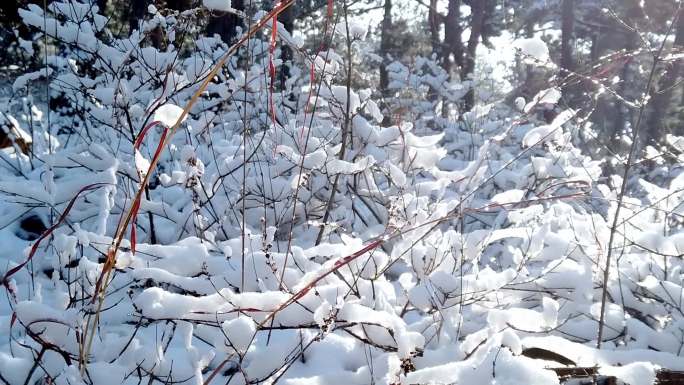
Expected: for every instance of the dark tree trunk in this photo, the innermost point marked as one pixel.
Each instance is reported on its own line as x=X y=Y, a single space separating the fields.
x=102 y=5
x=620 y=114
x=595 y=51
x=452 y=36
x=9 y=19
x=287 y=18
x=136 y=13
x=385 y=45
x=661 y=98
x=434 y=22
x=477 y=10
x=225 y=25
x=572 y=89
x=135 y=16
x=178 y=5
x=567 y=35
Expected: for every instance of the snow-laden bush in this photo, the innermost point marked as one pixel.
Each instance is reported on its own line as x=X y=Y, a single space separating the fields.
x=286 y=235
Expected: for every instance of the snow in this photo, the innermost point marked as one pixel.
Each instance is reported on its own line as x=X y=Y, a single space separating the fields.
x=549 y=132
x=21 y=81
x=500 y=363
x=438 y=247
x=550 y=312
x=510 y=196
x=239 y=332
x=355 y=28
x=168 y=114
x=534 y=48
x=218 y=5
x=520 y=103
x=637 y=373
x=549 y=96
x=14 y=369
x=141 y=163
x=373 y=109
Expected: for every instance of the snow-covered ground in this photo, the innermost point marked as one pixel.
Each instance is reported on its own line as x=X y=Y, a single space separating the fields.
x=448 y=249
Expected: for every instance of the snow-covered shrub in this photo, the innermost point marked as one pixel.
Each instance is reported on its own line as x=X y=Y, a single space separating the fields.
x=287 y=235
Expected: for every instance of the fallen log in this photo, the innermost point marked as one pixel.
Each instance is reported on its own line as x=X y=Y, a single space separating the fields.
x=663 y=376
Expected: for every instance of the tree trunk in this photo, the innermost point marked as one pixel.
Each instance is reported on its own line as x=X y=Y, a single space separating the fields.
x=434 y=21
x=477 y=10
x=620 y=114
x=136 y=13
x=102 y=5
x=572 y=89
x=452 y=36
x=567 y=35
x=287 y=18
x=385 y=45
x=178 y=5
x=10 y=19
x=662 y=97
x=225 y=25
